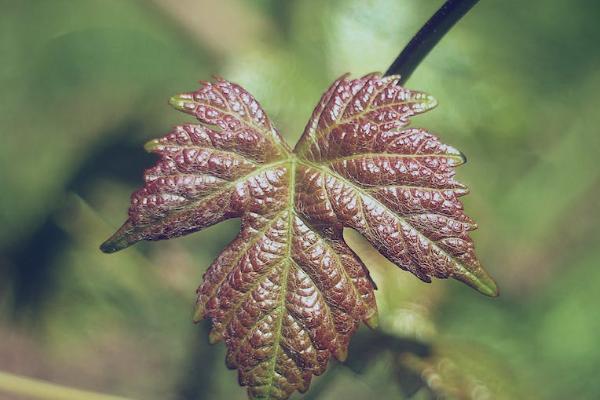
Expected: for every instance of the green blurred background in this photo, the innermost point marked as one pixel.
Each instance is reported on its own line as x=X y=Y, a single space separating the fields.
x=85 y=84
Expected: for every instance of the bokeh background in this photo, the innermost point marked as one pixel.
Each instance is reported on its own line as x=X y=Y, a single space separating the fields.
x=85 y=83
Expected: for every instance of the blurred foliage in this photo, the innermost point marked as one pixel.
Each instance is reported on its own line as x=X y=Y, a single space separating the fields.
x=85 y=83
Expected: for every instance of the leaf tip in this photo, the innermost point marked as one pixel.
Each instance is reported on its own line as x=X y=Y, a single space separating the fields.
x=183 y=102
x=198 y=313
x=431 y=101
x=112 y=246
x=214 y=337
x=456 y=157
x=151 y=145
x=118 y=241
x=491 y=289
x=341 y=353
x=372 y=321
x=482 y=282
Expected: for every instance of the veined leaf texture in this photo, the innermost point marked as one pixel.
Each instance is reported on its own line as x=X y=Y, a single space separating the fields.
x=288 y=293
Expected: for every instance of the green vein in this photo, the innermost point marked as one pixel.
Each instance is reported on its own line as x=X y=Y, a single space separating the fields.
x=482 y=283
x=324 y=240
x=284 y=279
x=129 y=234
x=355 y=156
x=155 y=144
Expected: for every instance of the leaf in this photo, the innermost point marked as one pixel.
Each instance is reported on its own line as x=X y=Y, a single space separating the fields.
x=288 y=293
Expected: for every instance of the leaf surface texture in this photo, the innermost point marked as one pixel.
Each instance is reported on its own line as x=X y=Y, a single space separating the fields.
x=288 y=293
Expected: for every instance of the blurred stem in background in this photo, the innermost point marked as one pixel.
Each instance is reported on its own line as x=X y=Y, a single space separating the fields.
x=37 y=389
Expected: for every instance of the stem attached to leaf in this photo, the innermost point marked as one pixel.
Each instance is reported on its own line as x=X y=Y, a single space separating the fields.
x=428 y=36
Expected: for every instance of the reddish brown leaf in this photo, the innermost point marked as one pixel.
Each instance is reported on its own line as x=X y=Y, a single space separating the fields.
x=288 y=292
x=395 y=186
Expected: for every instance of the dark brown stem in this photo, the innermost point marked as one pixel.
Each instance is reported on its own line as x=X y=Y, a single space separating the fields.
x=428 y=36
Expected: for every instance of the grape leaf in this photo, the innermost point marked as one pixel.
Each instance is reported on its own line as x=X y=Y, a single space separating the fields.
x=288 y=293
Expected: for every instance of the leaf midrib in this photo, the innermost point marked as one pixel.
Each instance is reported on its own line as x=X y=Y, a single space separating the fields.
x=284 y=281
